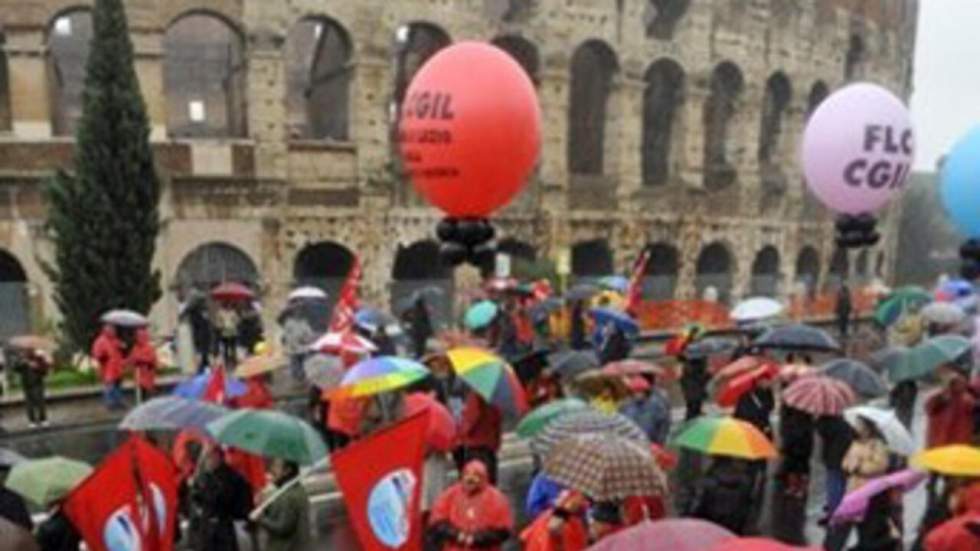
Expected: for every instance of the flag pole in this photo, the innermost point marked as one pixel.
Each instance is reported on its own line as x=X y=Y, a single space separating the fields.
x=305 y=473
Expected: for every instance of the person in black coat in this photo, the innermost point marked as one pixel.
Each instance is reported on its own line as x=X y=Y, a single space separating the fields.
x=615 y=345
x=836 y=435
x=756 y=407
x=694 y=383
x=218 y=497
x=796 y=435
x=57 y=533
x=12 y=506
x=420 y=326
x=579 y=338
x=725 y=495
x=902 y=398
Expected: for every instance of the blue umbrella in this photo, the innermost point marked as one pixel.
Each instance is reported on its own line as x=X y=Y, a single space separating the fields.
x=480 y=314
x=372 y=319
x=193 y=388
x=956 y=288
x=616 y=283
x=605 y=316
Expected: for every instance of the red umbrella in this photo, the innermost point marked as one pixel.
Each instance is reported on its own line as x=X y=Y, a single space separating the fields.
x=340 y=342
x=819 y=395
x=757 y=544
x=676 y=534
x=791 y=372
x=632 y=367
x=232 y=291
x=739 y=366
x=442 y=426
x=728 y=393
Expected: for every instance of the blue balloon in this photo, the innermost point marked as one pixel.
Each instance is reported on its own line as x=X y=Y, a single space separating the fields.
x=960 y=189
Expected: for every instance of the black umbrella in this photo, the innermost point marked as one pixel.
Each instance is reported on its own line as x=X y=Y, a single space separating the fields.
x=529 y=365
x=798 y=336
x=582 y=291
x=861 y=378
x=540 y=311
x=709 y=347
x=571 y=363
x=429 y=293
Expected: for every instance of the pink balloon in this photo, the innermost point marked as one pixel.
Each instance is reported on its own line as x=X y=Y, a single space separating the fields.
x=858 y=149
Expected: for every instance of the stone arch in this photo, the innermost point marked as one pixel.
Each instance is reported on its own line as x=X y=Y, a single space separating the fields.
x=839 y=268
x=524 y=53
x=855 y=58
x=6 y=117
x=14 y=297
x=765 y=272
x=419 y=266
x=775 y=103
x=818 y=92
x=318 y=79
x=663 y=267
x=591 y=259
x=662 y=16
x=808 y=268
x=204 y=70
x=68 y=36
x=324 y=264
x=593 y=67
x=715 y=268
x=720 y=110
x=213 y=263
x=662 y=101
x=415 y=43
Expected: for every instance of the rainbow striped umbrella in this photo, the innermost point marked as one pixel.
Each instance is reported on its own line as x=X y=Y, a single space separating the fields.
x=725 y=436
x=490 y=377
x=381 y=374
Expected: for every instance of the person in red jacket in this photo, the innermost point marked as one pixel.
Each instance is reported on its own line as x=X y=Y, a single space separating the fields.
x=962 y=532
x=107 y=352
x=950 y=413
x=561 y=528
x=480 y=429
x=471 y=514
x=257 y=395
x=143 y=359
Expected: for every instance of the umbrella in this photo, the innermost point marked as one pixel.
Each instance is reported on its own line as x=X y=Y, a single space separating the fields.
x=891 y=429
x=954 y=289
x=44 y=481
x=373 y=319
x=632 y=367
x=605 y=467
x=171 y=413
x=581 y=291
x=259 y=364
x=539 y=418
x=441 y=435
x=480 y=315
x=338 y=342
x=14 y=537
x=572 y=363
x=861 y=378
x=381 y=374
x=621 y=320
x=791 y=372
x=895 y=305
x=32 y=342
x=924 y=358
x=757 y=308
x=855 y=504
x=270 y=433
x=125 y=318
x=231 y=291
x=674 y=534
x=757 y=544
x=307 y=293
x=616 y=283
x=540 y=311
x=956 y=460
x=323 y=371
x=798 y=336
x=725 y=436
x=500 y=284
x=728 y=393
x=741 y=365
x=490 y=377
x=711 y=346
x=195 y=387
x=586 y=421
x=819 y=395
x=943 y=313
x=9 y=458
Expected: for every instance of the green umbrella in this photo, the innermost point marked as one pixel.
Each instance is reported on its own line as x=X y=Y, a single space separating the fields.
x=44 y=481
x=902 y=300
x=922 y=359
x=270 y=434
x=480 y=314
x=535 y=421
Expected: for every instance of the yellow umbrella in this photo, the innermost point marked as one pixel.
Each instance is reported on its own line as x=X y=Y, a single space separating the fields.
x=259 y=364
x=958 y=460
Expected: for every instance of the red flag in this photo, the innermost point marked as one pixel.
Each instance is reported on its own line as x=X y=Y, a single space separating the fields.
x=215 y=391
x=380 y=477
x=111 y=509
x=347 y=302
x=634 y=291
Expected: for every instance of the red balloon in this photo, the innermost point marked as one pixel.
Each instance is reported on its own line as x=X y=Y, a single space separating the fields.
x=470 y=129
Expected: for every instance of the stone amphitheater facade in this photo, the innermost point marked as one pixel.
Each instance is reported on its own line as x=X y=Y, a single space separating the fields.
x=667 y=123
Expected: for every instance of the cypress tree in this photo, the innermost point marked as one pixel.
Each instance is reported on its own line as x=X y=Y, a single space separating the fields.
x=103 y=218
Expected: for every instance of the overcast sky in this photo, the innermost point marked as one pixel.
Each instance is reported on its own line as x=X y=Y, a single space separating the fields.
x=946 y=98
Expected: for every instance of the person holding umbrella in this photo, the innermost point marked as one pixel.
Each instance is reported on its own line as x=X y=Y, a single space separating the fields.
x=57 y=533
x=219 y=496
x=286 y=521
x=419 y=326
x=143 y=359
x=32 y=366
x=836 y=436
x=107 y=350
x=725 y=495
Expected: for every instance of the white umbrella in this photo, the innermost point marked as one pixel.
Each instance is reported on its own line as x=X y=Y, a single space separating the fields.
x=346 y=341
x=125 y=318
x=944 y=313
x=311 y=293
x=756 y=308
x=895 y=434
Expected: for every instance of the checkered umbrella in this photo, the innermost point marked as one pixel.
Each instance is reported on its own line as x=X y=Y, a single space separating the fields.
x=586 y=421
x=820 y=395
x=605 y=467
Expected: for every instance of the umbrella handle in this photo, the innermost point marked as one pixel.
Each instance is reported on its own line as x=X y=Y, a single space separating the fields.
x=260 y=508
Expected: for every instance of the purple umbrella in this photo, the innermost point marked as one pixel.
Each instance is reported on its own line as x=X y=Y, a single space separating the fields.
x=855 y=504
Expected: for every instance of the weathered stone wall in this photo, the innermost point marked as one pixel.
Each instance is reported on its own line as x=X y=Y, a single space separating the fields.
x=270 y=195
